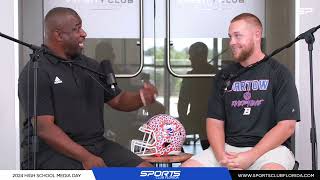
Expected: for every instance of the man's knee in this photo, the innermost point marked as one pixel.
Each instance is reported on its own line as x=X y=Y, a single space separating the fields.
x=272 y=166
x=191 y=163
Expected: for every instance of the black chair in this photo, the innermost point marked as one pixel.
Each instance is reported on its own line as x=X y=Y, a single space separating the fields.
x=296 y=165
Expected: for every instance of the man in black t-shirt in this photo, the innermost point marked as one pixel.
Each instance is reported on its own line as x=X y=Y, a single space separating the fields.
x=250 y=123
x=70 y=103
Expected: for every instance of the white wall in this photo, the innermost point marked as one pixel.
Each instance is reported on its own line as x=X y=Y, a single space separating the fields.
x=9 y=106
x=308 y=15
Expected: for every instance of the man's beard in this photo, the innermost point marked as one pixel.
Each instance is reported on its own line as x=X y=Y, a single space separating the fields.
x=73 y=52
x=244 y=54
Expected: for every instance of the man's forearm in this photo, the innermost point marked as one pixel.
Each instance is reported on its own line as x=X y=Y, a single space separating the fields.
x=129 y=101
x=126 y=101
x=275 y=137
x=216 y=137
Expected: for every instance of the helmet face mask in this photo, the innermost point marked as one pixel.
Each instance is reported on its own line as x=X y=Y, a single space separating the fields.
x=144 y=147
x=163 y=135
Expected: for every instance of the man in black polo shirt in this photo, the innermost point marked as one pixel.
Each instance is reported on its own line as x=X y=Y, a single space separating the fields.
x=250 y=123
x=70 y=103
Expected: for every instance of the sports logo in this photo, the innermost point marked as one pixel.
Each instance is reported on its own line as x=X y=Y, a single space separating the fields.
x=161 y=174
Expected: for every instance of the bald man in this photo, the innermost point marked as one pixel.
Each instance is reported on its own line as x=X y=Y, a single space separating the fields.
x=249 y=125
x=70 y=103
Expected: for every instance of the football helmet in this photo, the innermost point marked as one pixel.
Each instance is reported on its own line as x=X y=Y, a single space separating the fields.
x=163 y=135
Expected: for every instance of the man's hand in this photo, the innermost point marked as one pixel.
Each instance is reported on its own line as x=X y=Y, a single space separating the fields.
x=148 y=94
x=242 y=160
x=93 y=161
x=227 y=160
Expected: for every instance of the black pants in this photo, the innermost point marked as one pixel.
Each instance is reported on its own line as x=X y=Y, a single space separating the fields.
x=112 y=153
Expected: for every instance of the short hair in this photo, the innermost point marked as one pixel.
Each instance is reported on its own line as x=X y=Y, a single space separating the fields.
x=199 y=49
x=251 y=18
x=55 y=16
x=60 y=11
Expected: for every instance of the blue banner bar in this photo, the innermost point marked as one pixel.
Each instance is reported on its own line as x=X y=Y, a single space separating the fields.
x=162 y=173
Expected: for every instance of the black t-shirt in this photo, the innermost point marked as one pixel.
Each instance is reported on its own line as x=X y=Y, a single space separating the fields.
x=70 y=94
x=256 y=101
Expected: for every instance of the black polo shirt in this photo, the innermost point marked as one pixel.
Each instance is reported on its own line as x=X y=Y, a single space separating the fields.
x=70 y=94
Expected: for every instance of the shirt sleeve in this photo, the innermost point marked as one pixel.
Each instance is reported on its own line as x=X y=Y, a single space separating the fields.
x=286 y=96
x=44 y=93
x=216 y=109
x=109 y=93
